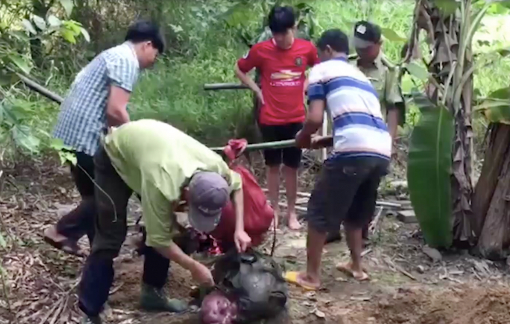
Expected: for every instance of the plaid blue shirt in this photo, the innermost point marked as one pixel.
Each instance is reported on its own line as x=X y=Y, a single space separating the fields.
x=82 y=118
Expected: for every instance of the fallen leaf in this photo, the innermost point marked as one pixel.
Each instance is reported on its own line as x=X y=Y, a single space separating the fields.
x=320 y=314
x=432 y=253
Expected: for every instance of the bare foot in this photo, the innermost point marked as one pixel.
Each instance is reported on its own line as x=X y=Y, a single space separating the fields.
x=51 y=233
x=303 y=280
x=293 y=222
x=347 y=268
x=61 y=242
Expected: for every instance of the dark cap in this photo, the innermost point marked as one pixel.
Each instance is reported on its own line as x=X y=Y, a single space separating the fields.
x=366 y=34
x=208 y=194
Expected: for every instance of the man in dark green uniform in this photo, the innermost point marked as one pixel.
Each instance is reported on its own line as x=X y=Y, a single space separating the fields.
x=371 y=61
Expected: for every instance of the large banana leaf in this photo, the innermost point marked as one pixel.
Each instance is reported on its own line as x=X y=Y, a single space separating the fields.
x=429 y=169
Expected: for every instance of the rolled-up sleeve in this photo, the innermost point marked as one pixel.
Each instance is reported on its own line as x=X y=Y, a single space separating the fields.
x=393 y=93
x=236 y=183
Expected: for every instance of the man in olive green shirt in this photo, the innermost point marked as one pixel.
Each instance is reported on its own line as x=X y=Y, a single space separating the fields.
x=164 y=166
x=367 y=41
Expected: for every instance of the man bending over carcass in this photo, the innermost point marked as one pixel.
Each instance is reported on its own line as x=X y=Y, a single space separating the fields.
x=164 y=166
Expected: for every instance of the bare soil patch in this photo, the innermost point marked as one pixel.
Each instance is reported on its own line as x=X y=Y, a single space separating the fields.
x=406 y=285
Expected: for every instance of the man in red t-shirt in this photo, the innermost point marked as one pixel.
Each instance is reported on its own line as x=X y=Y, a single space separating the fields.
x=282 y=62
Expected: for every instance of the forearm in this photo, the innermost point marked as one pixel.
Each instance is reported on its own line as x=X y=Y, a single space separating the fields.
x=174 y=253
x=311 y=127
x=238 y=202
x=116 y=116
x=245 y=79
x=392 y=120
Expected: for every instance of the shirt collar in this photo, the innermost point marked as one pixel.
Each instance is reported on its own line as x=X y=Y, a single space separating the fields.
x=274 y=43
x=132 y=48
x=340 y=58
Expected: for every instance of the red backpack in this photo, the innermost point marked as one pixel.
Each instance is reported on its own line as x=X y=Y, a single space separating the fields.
x=258 y=214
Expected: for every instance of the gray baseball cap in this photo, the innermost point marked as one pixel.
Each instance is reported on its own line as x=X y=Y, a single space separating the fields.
x=208 y=194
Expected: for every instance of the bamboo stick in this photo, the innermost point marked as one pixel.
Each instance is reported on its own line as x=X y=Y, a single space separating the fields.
x=379 y=203
x=224 y=86
x=240 y=86
x=262 y=146
x=40 y=89
x=324 y=132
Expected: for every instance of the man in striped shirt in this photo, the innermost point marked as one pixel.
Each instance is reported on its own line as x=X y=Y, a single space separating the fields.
x=346 y=189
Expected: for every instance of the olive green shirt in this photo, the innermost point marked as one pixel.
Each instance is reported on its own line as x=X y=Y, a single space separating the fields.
x=386 y=83
x=157 y=161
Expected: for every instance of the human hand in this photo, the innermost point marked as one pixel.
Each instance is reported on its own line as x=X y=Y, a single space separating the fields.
x=242 y=240
x=202 y=275
x=318 y=142
x=260 y=97
x=303 y=141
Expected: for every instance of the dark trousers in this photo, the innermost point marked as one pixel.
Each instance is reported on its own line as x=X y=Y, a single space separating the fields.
x=110 y=224
x=80 y=221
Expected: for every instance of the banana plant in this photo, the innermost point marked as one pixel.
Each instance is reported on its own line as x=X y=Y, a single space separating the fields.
x=448 y=81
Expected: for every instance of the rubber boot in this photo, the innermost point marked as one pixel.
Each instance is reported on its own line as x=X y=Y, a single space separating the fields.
x=154 y=300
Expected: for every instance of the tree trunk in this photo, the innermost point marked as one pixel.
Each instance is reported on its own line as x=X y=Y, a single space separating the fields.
x=495 y=154
x=463 y=157
x=490 y=203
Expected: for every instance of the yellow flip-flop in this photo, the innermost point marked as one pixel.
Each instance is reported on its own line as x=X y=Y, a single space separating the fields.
x=292 y=277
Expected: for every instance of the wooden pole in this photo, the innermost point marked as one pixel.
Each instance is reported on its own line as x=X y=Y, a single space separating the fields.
x=40 y=89
x=225 y=86
x=262 y=146
x=324 y=132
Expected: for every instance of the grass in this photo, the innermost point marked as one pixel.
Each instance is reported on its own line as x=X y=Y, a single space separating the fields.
x=173 y=90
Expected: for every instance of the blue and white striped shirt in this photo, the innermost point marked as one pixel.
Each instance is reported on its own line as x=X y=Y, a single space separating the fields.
x=353 y=104
x=82 y=118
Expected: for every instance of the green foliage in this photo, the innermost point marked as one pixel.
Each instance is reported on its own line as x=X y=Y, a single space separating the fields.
x=306 y=22
x=428 y=171
x=205 y=38
x=496 y=106
x=64 y=152
x=17 y=36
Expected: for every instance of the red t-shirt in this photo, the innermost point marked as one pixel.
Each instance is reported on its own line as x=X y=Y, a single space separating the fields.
x=282 y=78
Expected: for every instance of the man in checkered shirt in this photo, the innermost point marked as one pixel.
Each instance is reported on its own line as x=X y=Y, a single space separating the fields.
x=97 y=100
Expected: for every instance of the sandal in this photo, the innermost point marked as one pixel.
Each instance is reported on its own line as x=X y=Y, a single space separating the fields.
x=293 y=278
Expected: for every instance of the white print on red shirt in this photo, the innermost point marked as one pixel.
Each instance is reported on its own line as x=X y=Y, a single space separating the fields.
x=286 y=78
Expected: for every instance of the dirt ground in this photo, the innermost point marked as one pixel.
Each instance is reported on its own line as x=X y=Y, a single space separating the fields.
x=406 y=285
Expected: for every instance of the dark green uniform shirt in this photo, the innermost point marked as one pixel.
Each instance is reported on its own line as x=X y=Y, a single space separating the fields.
x=385 y=81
